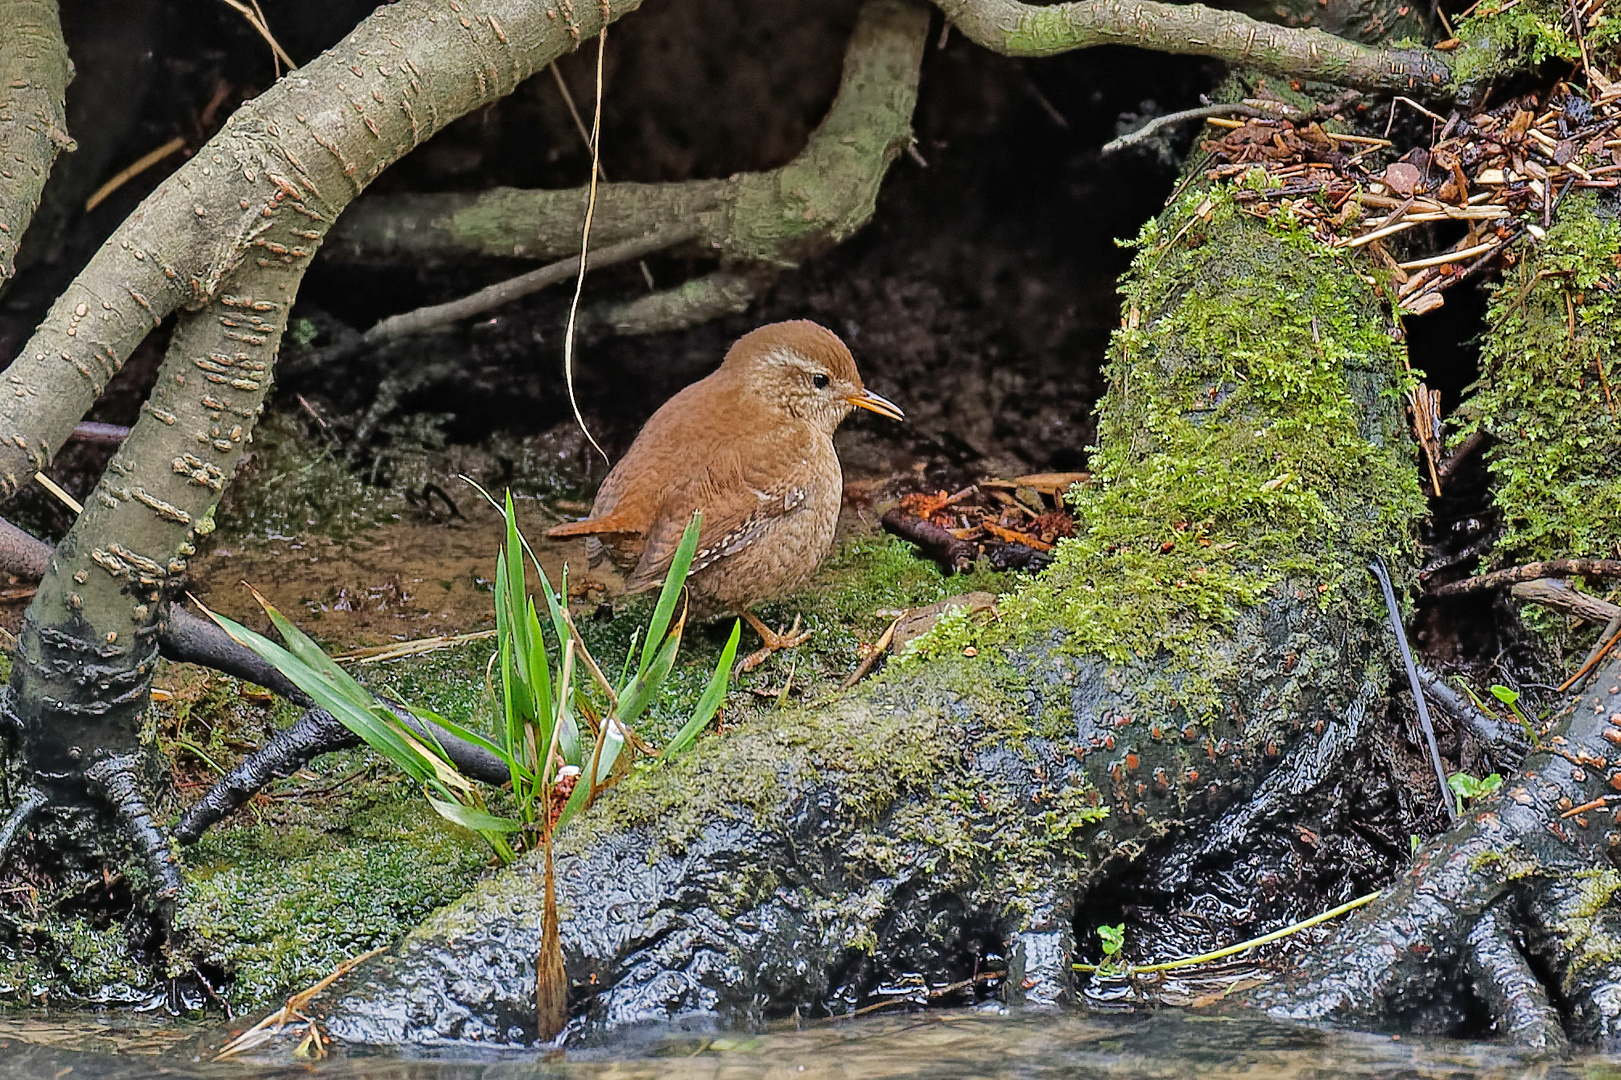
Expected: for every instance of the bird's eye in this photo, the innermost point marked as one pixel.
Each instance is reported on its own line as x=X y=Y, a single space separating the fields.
x=819 y=381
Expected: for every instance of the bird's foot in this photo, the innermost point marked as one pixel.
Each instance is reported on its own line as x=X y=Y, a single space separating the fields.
x=773 y=641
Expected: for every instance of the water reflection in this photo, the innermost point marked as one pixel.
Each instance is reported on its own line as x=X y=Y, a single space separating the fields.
x=958 y=1044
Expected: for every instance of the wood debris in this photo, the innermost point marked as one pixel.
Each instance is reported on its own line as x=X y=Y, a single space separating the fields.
x=1013 y=524
x=1497 y=176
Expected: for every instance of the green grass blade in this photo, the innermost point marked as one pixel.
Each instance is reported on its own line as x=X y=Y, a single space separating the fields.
x=373 y=723
x=468 y=735
x=645 y=686
x=300 y=645
x=674 y=581
x=630 y=654
x=471 y=817
x=709 y=704
x=537 y=673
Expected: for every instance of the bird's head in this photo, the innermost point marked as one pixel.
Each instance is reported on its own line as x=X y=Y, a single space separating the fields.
x=803 y=370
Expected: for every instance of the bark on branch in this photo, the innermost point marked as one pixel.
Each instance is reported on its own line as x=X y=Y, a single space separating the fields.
x=268 y=187
x=1018 y=29
x=34 y=74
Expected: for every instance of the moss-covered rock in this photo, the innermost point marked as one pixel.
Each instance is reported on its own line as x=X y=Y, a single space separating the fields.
x=277 y=906
x=1547 y=395
x=1547 y=391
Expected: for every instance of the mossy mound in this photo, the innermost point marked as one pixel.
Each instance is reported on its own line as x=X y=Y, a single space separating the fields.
x=1252 y=434
x=1547 y=392
x=277 y=907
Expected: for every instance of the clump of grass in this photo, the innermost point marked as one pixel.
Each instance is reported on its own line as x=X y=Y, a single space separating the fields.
x=561 y=752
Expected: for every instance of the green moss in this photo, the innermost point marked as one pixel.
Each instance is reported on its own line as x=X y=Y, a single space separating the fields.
x=1233 y=451
x=1556 y=465
x=63 y=958
x=279 y=906
x=296 y=487
x=1502 y=37
x=1585 y=929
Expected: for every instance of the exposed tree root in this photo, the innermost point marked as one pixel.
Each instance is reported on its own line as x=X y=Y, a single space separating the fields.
x=22 y=553
x=756 y=224
x=1019 y=29
x=1539 y=851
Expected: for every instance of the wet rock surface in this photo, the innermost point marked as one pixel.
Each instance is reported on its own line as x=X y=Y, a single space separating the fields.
x=795 y=866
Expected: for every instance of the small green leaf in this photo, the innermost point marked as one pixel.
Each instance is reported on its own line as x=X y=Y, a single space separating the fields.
x=1465 y=786
x=709 y=704
x=472 y=818
x=1113 y=938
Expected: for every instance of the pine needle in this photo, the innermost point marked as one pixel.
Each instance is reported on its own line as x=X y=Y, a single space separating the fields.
x=585 y=240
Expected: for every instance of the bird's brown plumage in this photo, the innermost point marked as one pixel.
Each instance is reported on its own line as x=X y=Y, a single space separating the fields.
x=751 y=446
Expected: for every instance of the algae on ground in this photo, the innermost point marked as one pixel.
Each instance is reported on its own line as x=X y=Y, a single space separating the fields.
x=277 y=908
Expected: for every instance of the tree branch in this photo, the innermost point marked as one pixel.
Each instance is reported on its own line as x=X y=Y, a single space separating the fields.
x=1018 y=29
x=268 y=187
x=34 y=74
x=776 y=219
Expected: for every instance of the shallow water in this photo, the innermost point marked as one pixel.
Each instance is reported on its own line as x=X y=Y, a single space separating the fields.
x=939 y=1043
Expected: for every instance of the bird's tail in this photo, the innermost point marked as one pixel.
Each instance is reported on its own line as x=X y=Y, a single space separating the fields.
x=603 y=526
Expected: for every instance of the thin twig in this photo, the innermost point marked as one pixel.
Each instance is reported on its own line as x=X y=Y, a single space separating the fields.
x=129 y=172
x=1592 y=661
x=1530 y=572
x=270 y=1026
x=1451 y=256
x=433 y=316
x=878 y=649
x=377 y=654
x=67 y=500
x=585 y=241
x=263 y=29
x=1203 y=112
x=591 y=662
x=574 y=111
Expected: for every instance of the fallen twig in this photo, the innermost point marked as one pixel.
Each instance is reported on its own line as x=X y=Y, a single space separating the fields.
x=271 y=1026
x=952 y=554
x=1158 y=123
x=1529 y=572
x=879 y=647
x=1557 y=594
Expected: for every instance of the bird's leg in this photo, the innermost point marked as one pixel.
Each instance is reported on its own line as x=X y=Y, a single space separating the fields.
x=772 y=640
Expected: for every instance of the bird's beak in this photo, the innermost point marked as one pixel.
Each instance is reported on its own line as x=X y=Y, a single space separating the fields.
x=876 y=403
